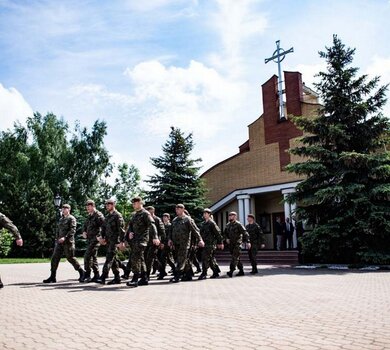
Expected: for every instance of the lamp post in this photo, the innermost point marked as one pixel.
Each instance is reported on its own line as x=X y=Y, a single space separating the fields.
x=57 y=203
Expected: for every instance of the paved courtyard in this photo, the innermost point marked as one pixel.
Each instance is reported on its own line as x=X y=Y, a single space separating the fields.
x=282 y=308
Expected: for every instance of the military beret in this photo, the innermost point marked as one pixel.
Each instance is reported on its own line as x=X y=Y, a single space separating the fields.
x=207 y=210
x=166 y=214
x=136 y=199
x=110 y=201
x=149 y=207
x=233 y=213
x=251 y=216
x=180 y=206
x=89 y=202
x=66 y=206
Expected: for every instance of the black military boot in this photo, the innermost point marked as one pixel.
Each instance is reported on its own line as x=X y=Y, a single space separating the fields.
x=102 y=278
x=230 y=273
x=51 y=279
x=86 y=278
x=95 y=277
x=161 y=275
x=144 y=280
x=116 y=280
x=82 y=274
x=1 y=284
x=188 y=275
x=240 y=273
x=175 y=278
x=126 y=274
x=215 y=274
x=134 y=281
x=202 y=276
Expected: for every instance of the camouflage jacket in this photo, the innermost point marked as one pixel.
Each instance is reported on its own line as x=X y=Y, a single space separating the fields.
x=210 y=233
x=113 y=228
x=160 y=228
x=67 y=228
x=8 y=224
x=236 y=233
x=182 y=229
x=256 y=234
x=93 y=224
x=168 y=235
x=143 y=226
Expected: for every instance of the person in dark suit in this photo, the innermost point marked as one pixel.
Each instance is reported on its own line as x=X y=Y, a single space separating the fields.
x=288 y=229
x=279 y=233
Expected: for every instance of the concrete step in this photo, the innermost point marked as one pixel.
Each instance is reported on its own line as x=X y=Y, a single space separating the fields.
x=269 y=257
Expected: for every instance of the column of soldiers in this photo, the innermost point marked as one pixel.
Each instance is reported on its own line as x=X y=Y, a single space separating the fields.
x=149 y=240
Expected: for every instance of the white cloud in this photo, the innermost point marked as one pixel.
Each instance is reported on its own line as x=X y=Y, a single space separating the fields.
x=380 y=66
x=309 y=72
x=13 y=107
x=235 y=22
x=196 y=98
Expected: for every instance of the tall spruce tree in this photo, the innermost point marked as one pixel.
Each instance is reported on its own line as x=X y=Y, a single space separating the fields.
x=346 y=194
x=177 y=180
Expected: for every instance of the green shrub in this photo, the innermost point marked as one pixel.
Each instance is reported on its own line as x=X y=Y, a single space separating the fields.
x=5 y=243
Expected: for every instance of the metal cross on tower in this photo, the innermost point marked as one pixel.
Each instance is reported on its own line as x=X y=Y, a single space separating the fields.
x=278 y=56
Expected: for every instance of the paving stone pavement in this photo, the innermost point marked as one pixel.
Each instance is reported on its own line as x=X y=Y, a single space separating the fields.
x=280 y=309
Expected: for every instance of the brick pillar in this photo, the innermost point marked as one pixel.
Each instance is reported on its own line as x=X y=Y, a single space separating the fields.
x=271 y=100
x=294 y=92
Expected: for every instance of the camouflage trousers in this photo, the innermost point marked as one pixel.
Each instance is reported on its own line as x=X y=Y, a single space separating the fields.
x=235 y=251
x=126 y=267
x=165 y=257
x=150 y=256
x=182 y=262
x=253 y=254
x=138 y=265
x=208 y=260
x=67 y=248
x=193 y=257
x=90 y=256
x=111 y=259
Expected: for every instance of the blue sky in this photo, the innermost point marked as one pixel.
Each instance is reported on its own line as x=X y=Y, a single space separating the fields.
x=198 y=65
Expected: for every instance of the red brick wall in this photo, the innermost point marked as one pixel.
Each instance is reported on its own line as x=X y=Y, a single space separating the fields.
x=276 y=131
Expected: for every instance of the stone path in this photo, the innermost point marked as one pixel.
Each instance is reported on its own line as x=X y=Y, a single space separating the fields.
x=281 y=309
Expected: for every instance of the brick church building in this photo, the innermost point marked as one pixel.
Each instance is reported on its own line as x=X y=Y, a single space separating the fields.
x=254 y=180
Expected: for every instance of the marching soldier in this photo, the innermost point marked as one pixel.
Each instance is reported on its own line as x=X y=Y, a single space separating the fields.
x=65 y=244
x=212 y=237
x=234 y=234
x=151 y=249
x=182 y=228
x=8 y=224
x=257 y=239
x=113 y=233
x=193 y=252
x=166 y=252
x=141 y=230
x=91 y=230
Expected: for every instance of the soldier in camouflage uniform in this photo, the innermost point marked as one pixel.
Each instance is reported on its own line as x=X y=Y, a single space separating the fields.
x=234 y=234
x=151 y=249
x=166 y=251
x=7 y=224
x=180 y=240
x=194 y=252
x=257 y=239
x=113 y=233
x=141 y=229
x=212 y=237
x=91 y=230
x=65 y=244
